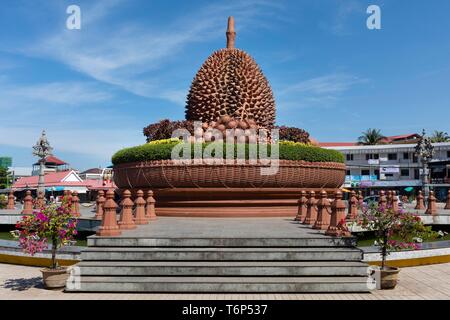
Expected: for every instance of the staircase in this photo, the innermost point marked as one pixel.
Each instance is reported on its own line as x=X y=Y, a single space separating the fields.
x=310 y=262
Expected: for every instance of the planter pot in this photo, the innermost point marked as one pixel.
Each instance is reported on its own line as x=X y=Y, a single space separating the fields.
x=55 y=278
x=389 y=277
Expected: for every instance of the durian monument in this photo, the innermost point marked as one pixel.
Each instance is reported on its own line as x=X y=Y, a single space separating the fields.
x=228 y=93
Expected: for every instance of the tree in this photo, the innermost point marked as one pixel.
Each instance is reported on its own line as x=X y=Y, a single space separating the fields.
x=5 y=178
x=440 y=136
x=371 y=137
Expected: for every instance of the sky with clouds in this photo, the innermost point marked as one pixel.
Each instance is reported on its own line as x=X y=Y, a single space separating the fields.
x=132 y=62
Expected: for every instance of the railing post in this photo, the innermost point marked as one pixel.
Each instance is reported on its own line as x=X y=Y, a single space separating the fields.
x=382 y=201
x=40 y=202
x=323 y=214
x=100 y=203
x=28 y=203
x=447 y=205
x=11 y=203
x=126 y=216
x=109 y=225
x=420 y=204
x=150 y=211
x=431 y=209
x=301 y=211
x=75 y=204
x=395 y=202
x=352 y=206
x=337 y=217
x=311 y=212
x=140 y=217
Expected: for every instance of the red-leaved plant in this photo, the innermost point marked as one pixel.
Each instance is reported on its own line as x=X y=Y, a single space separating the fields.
x=394 y=230
x=52 y=224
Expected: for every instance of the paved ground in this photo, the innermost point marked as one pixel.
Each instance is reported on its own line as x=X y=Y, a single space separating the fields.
x=425 y=282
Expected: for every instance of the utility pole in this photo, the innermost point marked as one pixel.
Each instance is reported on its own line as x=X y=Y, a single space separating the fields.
x=425 y=151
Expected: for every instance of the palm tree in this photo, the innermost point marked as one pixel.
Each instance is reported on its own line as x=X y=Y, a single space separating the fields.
x=440 y=136
x=371 y=137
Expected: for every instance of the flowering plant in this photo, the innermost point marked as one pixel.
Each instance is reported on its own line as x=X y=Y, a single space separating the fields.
x=53 y=224
x=394 y=230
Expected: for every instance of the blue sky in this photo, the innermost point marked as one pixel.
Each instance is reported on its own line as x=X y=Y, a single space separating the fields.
x=132 y=62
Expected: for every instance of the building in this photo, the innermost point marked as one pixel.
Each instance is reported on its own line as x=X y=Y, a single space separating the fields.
x=5 y=162
x=96 y=173
x=52 y=164
x=393 y=166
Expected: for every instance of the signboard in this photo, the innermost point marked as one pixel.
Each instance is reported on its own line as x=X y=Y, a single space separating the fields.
x=373 y=161
x=355 y=178
x=389 y=169
x=383 y=159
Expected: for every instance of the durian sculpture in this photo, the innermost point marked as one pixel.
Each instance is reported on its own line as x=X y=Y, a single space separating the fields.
x=231 y=85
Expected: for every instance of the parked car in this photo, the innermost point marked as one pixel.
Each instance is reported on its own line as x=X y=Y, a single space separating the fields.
x=376 y=198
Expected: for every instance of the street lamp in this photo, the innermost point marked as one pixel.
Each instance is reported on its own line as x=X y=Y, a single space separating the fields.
x=42 y=149
x=424 y=152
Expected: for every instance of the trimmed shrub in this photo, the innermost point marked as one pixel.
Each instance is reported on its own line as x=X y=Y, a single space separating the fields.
x=287 y=151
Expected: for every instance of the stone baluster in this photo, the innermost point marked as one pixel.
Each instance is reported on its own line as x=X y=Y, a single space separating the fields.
x=11 y=203
x=337 y=220
x=389 y=198
x=140 y=217
x=323 y=214
x=150 y=212
x=301 y=212
x=75 y=204
x=311 y=212
x=307 y=197
x=28 y=203
x=431 y=209
x=100 y=202
x=126 y=216
x=395 y=202
x=109 y=225
x=382 y=201
x=420 y=204
x=352 y=206
x=447 y=204
x=69 y=199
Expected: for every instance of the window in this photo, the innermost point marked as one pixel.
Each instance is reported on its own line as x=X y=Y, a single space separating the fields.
x=372 y=156
x=448 y=154
x=388 y=175
x=349 y=157
x=377 y=173
x=415 y=160
x=404 y=172
x=416 y=174
x=392 y=156
x=347 y=173
x=405 y=155
x=365 y=172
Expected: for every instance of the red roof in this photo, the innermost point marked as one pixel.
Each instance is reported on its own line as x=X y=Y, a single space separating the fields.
x=409 y=136
x=337 y=144
x=50 y=180
x=100 y=184
x=53 y=160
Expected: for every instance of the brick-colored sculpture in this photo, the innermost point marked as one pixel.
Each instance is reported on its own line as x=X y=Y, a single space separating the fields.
x=323 y=213
x=28 y=203
x=75 y=207
x=352 y=206
x=230 y=83
x=301 y=212
x=431 y=207
x=394 y=202
x=360 y=199
x=140 y=217
x=311 y=212
x=40 y=202
x=69 y=198
x=100 y=203
x=447 y=204
x=389 y=198
x=126 y=216
x=382 y=201
x=337 y=220
x=420 y=204
x=109 y=225
x=10 y=204
x=150 y=212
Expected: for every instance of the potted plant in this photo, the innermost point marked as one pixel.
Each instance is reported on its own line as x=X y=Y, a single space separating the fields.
x=394 y=231
x=52 y=225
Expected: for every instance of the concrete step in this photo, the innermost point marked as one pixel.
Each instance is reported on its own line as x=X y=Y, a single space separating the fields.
x=316 y=240
x=220 y=284
x=221 y=254
x=220 y=268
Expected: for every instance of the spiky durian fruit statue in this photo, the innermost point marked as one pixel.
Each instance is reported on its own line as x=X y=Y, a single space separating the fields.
x=231 y=86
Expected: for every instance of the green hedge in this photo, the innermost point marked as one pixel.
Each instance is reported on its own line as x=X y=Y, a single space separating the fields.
x=149 y=152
